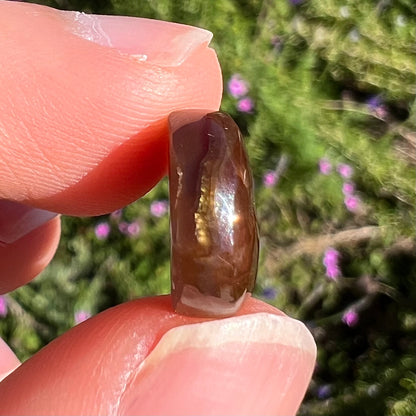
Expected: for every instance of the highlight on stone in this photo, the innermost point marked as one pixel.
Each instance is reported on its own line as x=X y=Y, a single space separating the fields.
x=214 y=233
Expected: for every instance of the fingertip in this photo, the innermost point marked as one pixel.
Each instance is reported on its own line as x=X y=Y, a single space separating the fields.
x=142 y=358
x=25 y=258
x=99 y=142
x=252 y=364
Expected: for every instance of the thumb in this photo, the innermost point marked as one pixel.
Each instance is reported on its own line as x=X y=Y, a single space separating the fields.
x=142 y=358
x=84 y=104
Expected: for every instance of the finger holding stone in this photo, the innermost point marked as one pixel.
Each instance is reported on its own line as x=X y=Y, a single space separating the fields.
x=86 y=132
x=141 y=358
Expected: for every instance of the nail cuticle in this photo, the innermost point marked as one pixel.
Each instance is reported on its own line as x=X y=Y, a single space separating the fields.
x=256 y=328
x=229 y=363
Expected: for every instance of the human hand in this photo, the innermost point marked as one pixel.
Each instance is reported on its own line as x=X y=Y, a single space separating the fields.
x=83 y=131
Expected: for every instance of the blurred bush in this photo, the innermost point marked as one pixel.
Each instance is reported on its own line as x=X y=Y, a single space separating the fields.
x=324 y=91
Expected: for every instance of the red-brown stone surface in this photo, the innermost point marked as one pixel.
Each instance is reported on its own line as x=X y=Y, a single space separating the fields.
x=214 y=237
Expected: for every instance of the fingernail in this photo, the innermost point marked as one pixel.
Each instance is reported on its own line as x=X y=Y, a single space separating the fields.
x=17 y=220
x=154 y=41
x=251 y=364
x=8 y=360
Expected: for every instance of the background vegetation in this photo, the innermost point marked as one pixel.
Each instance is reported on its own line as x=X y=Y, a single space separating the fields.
x=324 y=91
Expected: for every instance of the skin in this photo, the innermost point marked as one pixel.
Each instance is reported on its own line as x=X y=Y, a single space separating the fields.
x=80 y=144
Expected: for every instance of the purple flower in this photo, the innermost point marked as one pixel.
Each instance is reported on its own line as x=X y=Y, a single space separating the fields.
x=270 y=179
x=245 y=105
x=324 y=391
x=102 y=230
x=374 y=102
x=237 y=87
x=350 y=317
x=345 y=170
x=3 y=306
x=159 y=208
x=296 y=2
x=325 y=166
x=331 y=256
x=333 y=271
x=352 y=203
x=269 y=293
x=133 y=229
x=330 y=262
x=377 y=107
x=348 y=188
x=81 y=316
x=381 y=112
x=117 y=214
x=123 y=227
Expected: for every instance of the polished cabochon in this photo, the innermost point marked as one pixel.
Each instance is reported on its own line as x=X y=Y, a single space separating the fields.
x=214 y=233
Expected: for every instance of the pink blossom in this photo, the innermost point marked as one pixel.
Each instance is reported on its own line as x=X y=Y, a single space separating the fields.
x=374 y=102
x=377 y=107
x=325 y=166
x=348 y=188
x=330 y=262
x=352 y=203
x=245 y=105
x=117 y=214
x=381 y=112
x=237 y=87
x=333 y=271
x=345 y=170
x=159 y=208
x=331 y=256
x=123 y=227
x=3 y=306
x=350 y=317
x=270 y=179
x=102 y=230
x=81 y=316
x=133 y=229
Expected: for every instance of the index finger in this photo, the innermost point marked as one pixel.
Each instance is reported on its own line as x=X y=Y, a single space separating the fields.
x=85 y=100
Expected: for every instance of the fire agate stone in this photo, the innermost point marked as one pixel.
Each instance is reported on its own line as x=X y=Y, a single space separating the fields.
x=214 y=237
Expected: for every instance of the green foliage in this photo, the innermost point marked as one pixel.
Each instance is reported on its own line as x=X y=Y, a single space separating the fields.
x=329 y=79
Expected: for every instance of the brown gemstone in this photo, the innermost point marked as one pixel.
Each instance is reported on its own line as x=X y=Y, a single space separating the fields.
x=214 y=237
